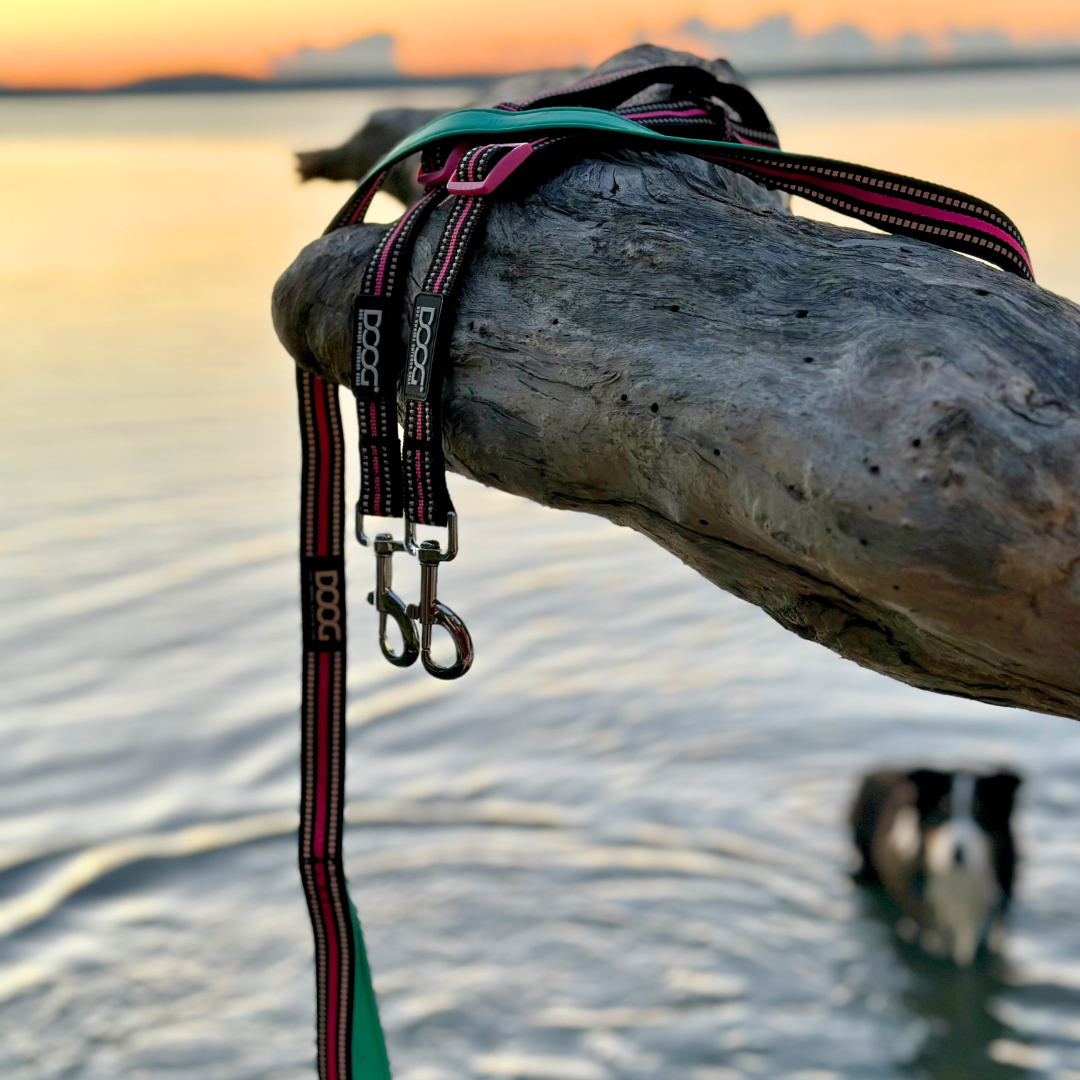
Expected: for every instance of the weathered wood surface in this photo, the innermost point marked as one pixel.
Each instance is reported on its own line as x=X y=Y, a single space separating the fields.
x=875 y=441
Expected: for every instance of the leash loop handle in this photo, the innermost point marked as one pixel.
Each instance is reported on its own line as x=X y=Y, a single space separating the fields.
x=390 y=606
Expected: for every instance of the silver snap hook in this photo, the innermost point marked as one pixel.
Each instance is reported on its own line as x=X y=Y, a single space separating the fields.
x=431 y=612
x=389 y=605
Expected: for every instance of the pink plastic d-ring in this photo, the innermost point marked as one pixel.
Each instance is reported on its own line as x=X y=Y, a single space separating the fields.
x=505 y=166
x=439 y=176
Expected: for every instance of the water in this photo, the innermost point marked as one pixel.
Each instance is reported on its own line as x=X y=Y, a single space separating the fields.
x=615 y=850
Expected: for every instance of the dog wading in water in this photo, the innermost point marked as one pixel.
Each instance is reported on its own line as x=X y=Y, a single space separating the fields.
x=940 y=845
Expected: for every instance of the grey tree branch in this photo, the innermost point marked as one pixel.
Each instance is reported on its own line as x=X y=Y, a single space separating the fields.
x=875 y=441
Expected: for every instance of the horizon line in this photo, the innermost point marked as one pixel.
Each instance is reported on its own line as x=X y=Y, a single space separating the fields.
x=221 y=82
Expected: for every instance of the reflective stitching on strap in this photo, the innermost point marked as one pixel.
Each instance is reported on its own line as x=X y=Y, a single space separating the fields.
x=323 y=719
x=378 y=361
x=916 y=214
x=427 y=500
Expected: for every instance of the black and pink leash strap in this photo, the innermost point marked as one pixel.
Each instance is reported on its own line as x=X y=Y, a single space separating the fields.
x=408 y=479
x=349 y=1038
x=703 y=108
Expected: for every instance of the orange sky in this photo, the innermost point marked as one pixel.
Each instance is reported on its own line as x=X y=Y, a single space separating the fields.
x=98 y=42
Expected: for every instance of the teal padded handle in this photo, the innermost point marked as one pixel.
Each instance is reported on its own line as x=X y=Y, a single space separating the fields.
x=482 y=123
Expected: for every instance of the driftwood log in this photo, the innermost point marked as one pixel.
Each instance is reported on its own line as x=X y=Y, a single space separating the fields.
x=385 y=128
x=874 y=440
x=350 y=161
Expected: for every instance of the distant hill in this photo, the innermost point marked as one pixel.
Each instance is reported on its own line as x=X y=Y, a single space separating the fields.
x=190 y=84
x=206 y=83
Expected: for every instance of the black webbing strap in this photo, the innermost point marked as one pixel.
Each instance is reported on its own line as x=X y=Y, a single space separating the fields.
x=897 y=204
x=378 y=357
x=428 y=501
x=350 y=1043
x=610 y=90
x=696 y=119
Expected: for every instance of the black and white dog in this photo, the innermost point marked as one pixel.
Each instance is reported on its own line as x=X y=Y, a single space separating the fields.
x=940 y=845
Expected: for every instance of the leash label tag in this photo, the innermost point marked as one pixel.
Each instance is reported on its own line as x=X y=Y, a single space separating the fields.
x=323 y=582
x=371 y=330
x=422 y=342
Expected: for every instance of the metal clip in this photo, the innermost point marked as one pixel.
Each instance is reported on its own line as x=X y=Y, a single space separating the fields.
x=432 y=612
x=410 y=545
x=387 y=602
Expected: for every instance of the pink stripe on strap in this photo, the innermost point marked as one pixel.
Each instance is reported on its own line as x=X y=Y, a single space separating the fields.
x=323 y=720
x=453 y=242
x=376 y=483
x=333 y=974
x=973 y=223
x=419 y=476
x=376 y=469
x=750 y=142
x=666 y=112
x=361 y=208
x=905 y=205
x=388 y=248
x=322 y=483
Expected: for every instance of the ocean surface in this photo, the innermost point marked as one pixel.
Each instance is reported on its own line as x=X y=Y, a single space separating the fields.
x=615 y=850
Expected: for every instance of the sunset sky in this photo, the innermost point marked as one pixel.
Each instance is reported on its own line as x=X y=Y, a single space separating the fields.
x=99 y=42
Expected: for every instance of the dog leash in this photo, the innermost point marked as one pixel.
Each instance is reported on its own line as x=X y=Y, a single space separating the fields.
x=466 y=156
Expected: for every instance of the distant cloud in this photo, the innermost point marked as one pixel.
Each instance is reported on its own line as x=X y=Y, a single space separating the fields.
x=980 y=43
x=368 y=57
x=775 y=43
x=910 y=48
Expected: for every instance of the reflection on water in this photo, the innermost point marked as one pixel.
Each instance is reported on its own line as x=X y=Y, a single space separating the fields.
x=614 y=850
x=964 y=1012
x=962 y=1029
